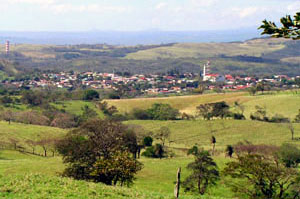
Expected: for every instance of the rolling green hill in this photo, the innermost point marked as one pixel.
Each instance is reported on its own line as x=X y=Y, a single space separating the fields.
x=253 y=48
x=256 y=57
x=285 y=103
x=23 y=175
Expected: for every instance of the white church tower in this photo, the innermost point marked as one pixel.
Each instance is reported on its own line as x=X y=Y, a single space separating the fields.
x=206 y=71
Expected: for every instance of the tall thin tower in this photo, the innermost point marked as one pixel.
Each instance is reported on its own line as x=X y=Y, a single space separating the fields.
x=7 y=47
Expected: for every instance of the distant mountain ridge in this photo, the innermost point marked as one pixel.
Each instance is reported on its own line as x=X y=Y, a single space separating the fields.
x=128 y=38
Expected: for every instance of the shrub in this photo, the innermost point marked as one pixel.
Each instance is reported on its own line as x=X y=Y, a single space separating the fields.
x=289 y=155
x=148 y=141
x=140 y=114
x=162 y=112
x=156 y=151
x=90 y=95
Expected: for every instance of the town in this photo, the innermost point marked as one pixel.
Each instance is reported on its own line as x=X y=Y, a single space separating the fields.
x=152 y=84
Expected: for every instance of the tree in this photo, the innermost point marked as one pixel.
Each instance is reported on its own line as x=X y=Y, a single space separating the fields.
x=87 y=113
x=204 y=173
x=193 y=151
x=297 y=118
x=229 y=151
x=63 y=120
x=239 y=107
x=200 y=89
x=210 y=110
x=260 y=177
x=90 y=95
x=163 y=135
x=98 y=151
x=213 y=141
x=14 y=142
x=46 y=144
x=289 y=155
x=292 y=130
x=7 y=116
x=290 y=27
x=32 y=144
x=260 y=114
x=148 y=141
x=162 y=112
x=252 y=90
x=118 y=168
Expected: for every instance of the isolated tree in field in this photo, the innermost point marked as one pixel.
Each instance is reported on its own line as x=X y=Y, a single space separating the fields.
x=90 y=95
x=260 y=177
x=240 y=107
x=14 y=142
x=98 y=151
x=7 y=116
x=292 y=129
x=46 y=144
x=229 y=151
x=252 y=90
x=204 y=173
x=218 y=109
x=289 y=29
x=160 y=111
x=32 y=144
x=163 y=135
x=213 y=141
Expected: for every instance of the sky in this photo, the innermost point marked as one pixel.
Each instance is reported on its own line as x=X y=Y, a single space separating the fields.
x=140 y=15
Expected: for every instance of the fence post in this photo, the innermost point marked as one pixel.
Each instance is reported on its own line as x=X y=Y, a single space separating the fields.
x=177 y=186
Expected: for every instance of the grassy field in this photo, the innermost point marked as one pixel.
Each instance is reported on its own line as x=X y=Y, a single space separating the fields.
x=206 y=50
x=24 y=175
x=75 y=107
x=285 y=103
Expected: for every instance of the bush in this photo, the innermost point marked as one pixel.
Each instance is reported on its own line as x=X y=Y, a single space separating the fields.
x=156 y=151
x=148 y=141
x=140 y=114
x=90 y=95
x=289 y=155
x=162 y=112
x=238 y=116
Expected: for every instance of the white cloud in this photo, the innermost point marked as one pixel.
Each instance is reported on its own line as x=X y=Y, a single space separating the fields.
x=161 y=5
x=92 y=8
x=37 y=2
x=294 y=7
x=203 y=3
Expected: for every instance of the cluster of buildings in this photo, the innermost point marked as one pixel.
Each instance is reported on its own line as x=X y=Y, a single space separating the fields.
x=145 y=84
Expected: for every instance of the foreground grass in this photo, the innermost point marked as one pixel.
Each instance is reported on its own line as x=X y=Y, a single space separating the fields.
x=35 y=186
x=28 y=176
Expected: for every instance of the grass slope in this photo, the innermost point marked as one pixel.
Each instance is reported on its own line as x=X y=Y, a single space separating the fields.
x=187 y=133
x=75 y=107
x=186 y=104
x=206 y=50
x=286 y=103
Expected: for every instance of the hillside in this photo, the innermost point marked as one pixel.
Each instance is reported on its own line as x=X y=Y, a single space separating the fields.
x=24 y=175
x=253 y=57
x=285 y=103
x=254 y=48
